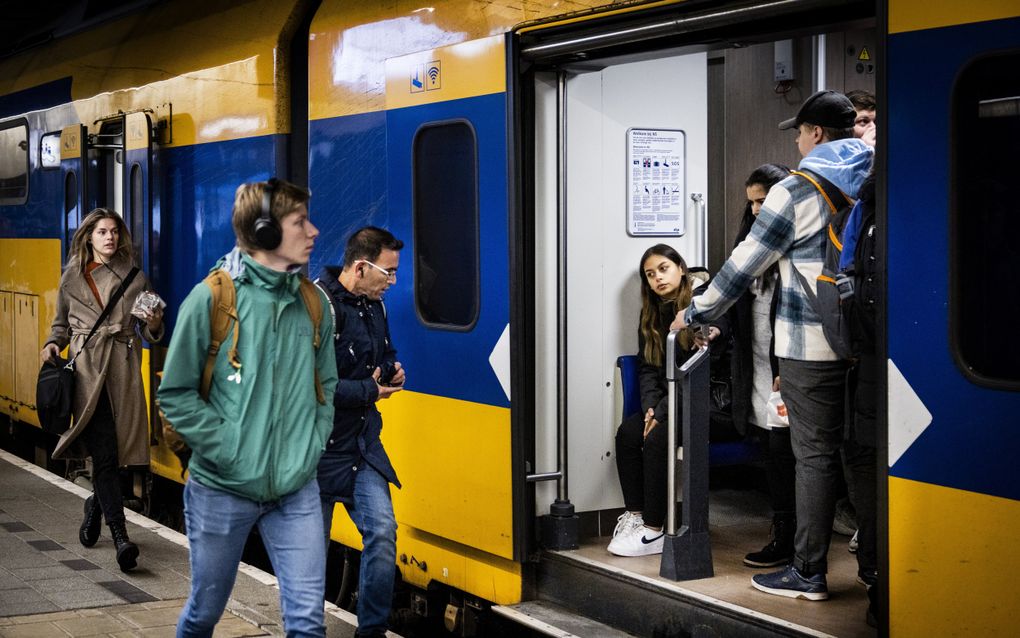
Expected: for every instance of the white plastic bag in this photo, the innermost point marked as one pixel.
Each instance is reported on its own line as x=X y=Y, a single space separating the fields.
x=777 y=416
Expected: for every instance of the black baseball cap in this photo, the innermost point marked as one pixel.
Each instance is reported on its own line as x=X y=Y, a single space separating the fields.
x=825 y=108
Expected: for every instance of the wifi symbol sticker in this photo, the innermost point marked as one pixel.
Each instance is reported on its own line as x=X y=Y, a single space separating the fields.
x=433 y=76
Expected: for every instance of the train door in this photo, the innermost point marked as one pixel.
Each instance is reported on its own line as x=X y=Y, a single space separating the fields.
x=952 y=343
x=72 y=167
x=625 y=147
x=119 y=176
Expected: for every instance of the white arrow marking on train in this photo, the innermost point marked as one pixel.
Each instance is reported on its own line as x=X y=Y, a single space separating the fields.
x=908 y=417
x=499 y=359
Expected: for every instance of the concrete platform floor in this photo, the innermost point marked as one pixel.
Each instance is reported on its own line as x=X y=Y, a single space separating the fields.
x=52 y=586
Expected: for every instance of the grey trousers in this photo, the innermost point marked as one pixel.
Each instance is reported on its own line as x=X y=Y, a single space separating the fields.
x=814 y=392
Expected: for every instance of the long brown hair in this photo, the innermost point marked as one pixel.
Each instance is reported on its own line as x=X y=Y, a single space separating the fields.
x=81 y=243
x=653 y=325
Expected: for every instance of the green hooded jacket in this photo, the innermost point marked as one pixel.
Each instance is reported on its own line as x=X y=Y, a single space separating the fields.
x=262 y=432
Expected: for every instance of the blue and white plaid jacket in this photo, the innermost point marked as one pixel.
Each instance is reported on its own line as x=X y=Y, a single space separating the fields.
x=791 y=229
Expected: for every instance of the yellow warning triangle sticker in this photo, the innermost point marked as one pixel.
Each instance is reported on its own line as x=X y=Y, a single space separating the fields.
x=864 y=56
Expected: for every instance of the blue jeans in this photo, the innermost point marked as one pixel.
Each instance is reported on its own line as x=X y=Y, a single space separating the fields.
x=372 y=513
x=218 y=524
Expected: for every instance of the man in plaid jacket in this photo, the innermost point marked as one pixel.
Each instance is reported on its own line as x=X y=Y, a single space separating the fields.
x=792 y=229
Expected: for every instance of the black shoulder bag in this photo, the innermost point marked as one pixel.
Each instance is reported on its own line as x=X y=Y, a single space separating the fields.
x=54 y=391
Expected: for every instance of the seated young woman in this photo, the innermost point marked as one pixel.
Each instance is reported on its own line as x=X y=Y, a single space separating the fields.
x=667 y=285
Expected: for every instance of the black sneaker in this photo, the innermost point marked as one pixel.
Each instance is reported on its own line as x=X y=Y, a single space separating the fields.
x=779 y=551
x=770 y=556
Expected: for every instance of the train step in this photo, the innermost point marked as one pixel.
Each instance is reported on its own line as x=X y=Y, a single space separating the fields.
x=647 y=606
x=552 y=620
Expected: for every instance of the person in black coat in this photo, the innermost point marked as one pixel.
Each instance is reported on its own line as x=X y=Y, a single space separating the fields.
x=756 y=373
x=355 y=469
x=641 y=441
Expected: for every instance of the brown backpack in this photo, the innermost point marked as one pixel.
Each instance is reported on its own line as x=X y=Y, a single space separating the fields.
x=223 y=316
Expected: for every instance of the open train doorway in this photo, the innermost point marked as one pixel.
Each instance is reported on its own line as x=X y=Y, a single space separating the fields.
x=712 y=100
x=626 y=145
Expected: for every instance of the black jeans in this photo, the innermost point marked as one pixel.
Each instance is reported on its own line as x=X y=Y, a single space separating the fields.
x=641 y=463
x=100 y=439
x=814 y=392
x=780 y=470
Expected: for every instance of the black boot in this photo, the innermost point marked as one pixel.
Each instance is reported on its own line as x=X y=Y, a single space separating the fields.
x=779 y=551
x=127 y=552
x=88 y=533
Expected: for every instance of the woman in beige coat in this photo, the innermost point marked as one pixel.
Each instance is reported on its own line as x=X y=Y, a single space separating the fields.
x=110 y=413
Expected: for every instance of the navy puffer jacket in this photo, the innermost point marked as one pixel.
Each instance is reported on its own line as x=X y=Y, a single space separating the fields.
x=362 y=343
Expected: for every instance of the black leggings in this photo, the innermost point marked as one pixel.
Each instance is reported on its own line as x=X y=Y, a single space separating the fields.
x=641 y=463
x=100 y=439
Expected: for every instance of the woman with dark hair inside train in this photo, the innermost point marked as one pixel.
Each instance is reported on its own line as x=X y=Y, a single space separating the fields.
x=110 y=414
x=667 y=284
x=755 y=371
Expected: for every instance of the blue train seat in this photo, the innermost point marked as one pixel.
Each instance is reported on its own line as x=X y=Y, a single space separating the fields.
x=720 y=454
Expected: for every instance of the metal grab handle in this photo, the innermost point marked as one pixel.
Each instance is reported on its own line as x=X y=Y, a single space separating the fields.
x=676 y=375
x=699 y=201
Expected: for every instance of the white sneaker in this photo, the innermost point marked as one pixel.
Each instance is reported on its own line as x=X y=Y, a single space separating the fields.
x=852 y=545
x=639 y=541
x=627 y=521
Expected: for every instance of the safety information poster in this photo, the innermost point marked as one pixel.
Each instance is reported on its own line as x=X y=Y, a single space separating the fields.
x=656 y=199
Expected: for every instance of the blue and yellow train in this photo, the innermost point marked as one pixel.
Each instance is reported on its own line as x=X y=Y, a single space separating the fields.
x=493 y=138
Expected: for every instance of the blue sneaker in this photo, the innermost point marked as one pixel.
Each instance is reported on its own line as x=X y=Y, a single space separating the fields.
x=792 y=584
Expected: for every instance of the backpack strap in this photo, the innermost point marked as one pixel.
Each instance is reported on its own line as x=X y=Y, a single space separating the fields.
x=337 y=328
x=313 y=304
x=222 y=315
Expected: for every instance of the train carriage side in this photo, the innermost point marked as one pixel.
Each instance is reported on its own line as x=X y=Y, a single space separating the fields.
x=160 y=115
x=408 y=132
x=953 y=380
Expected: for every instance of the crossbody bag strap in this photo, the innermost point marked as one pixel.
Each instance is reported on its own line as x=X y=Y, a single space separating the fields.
x=117 y=294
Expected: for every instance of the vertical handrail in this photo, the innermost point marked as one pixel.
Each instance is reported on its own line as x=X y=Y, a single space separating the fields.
x=671 y=379
x=699 y=202
x=559 y=529
x=561 y=299
x=687 y=551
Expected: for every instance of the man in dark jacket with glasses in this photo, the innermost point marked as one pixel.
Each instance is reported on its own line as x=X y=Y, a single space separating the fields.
x=355 y=470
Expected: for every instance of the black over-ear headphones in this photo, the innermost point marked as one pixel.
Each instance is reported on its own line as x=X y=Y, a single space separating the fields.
x=267 y=230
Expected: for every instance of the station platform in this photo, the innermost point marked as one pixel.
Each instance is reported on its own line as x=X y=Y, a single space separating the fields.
x=51 y=586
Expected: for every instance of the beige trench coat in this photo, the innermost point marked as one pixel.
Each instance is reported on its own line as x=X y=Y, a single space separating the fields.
x=112 y=357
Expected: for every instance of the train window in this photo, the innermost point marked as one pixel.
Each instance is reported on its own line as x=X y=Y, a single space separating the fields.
x=445 y=196
x=984 y=309
x=137 y=220
x=13 y=163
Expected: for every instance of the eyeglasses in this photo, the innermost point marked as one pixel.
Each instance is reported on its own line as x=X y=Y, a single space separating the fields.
x=390 y=274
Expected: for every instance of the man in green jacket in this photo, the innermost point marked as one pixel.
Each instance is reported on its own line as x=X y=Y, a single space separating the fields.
x=257 y=440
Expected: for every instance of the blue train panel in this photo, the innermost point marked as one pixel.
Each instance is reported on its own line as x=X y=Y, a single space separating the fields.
x=36 y=98
x=972 y=439
x=339 y=147
x=377 y=147
x=197 y=202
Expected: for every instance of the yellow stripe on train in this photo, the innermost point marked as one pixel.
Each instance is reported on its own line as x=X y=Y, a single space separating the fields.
x=457 y=71
x=455 y=511
x=914 y=15
x=953 y=561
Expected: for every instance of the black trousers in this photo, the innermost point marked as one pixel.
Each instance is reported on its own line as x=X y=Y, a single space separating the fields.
x=100 y=439
x=781 y=472
x=641 y=463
